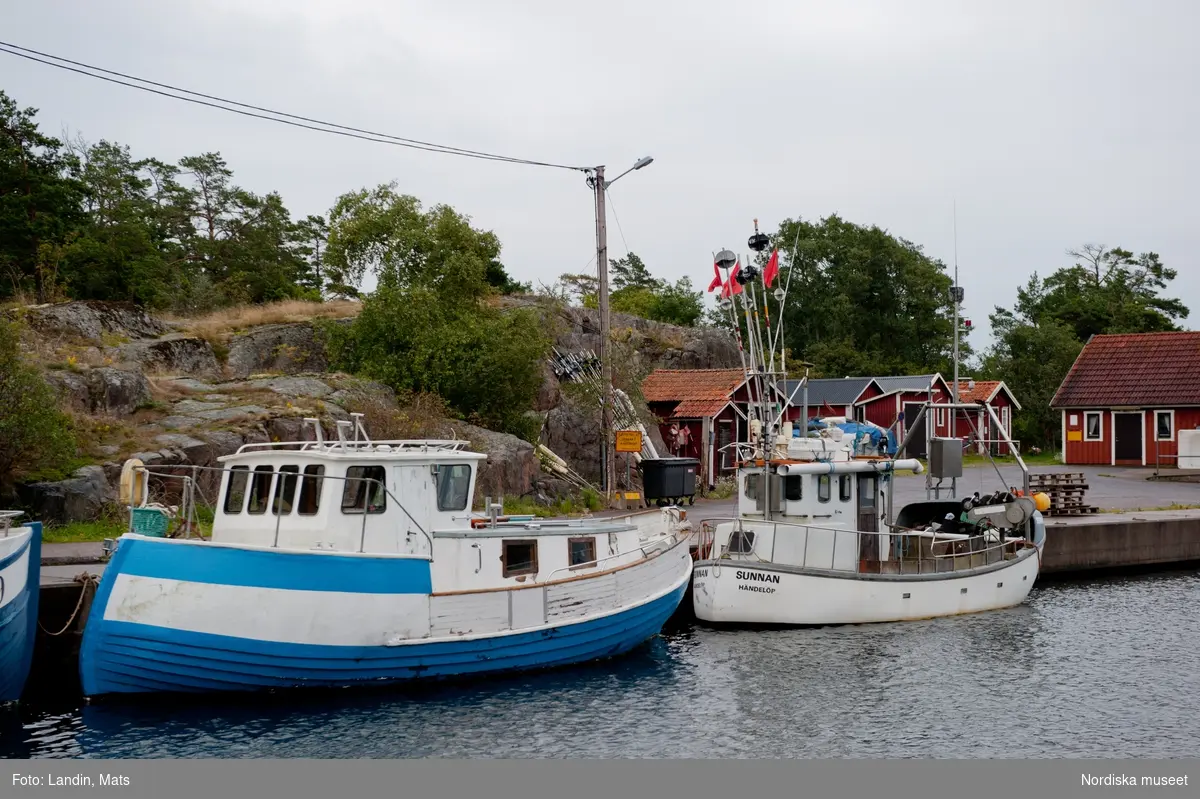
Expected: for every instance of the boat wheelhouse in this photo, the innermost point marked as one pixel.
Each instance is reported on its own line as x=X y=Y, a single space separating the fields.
x=20 y=577
x=352 y=561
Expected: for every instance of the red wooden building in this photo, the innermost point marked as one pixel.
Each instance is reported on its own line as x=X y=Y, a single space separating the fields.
x=834 y=396
x=899 y=402
x=710 y=404
x=1127 y=396
x=978 y=425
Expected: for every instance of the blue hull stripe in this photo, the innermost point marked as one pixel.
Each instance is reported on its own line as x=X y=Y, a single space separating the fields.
x=13 y=557
x=123 y=657
x=257 y=568
x=18 y=622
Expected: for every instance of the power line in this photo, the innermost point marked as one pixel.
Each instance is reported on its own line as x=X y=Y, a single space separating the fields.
x=329 y=127
x=617 y=218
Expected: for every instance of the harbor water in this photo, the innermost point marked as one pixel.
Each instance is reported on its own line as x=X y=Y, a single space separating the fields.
x=1096 y=668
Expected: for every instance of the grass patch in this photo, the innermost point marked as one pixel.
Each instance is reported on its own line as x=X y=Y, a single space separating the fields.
x=724 y=488
x=217 y=327
x=82 y=532
x=588 y=501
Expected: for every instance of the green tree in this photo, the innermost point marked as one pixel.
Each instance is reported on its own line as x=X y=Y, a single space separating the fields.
x=389 y=235
x=860 y=301
x=40 y=203
x=35 y=436
x=631 y=271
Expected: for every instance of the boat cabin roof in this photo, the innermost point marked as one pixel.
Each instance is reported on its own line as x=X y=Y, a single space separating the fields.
x=397 y=451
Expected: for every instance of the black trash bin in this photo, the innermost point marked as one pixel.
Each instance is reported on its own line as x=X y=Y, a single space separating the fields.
x=667 y=480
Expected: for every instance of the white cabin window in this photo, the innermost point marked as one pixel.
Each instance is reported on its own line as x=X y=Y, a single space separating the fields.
x=752 y=486
x=793 y=488
x=235 y=489
x=845 y=487
x=824 y=488
x=365 y=489
x=1091 y=426
x=260 y=489
x=285 y=490
x=453 y=483
x=941 y=417
x=310 y=490
x=519 y=557
x=582 y=551
x=1164 y=425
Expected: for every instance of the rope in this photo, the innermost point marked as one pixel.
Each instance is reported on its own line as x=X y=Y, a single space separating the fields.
x=86 y=579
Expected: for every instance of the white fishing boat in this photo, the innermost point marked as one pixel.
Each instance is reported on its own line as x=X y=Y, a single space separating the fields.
x=20 y=570
x=349 y=562
x=814 y=540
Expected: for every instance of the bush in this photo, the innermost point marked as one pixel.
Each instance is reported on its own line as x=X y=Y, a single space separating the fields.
x=486 y=363
x=35 y=436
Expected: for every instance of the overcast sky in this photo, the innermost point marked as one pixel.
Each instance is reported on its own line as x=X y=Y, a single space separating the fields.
x=1050 y=123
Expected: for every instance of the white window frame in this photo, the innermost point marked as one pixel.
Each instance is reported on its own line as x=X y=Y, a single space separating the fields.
x=1171 y=416
x=1100 y=416
x=941 y=418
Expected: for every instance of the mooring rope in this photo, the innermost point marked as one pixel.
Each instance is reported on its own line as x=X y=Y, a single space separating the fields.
x=86 y=579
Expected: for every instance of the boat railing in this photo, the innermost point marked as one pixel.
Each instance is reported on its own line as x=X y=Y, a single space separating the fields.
x=647 y=549
x=188 y=509
x=910 y=551
x=6 y=518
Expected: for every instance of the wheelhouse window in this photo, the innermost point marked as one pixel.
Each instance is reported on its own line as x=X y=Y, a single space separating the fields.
x=365 y=490
x=793 y=487
x=1164 y=425
x=453 y=484
x=752 y=485
x=1091 y=426
x=582 y=551
x=310 y=490
x=235 y=489
x=824 y=488
x=285 y=490
x=845 y=486
x=519 y=557
x=260 y=489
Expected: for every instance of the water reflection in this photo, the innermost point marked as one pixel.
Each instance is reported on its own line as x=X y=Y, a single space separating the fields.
x=1088 y=669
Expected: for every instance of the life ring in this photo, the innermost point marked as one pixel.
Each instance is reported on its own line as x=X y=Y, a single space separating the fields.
x=133 y=487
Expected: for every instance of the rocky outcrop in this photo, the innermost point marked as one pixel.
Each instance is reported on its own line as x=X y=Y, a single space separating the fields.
x=81 y=497
x=511 y=469
x=282 y=348
x=103 y=390
x=176 y=354
x=90 y=320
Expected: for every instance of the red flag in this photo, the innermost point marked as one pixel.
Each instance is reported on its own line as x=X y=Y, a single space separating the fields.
x=716 y=281
x=771 y=269
x=732 y=286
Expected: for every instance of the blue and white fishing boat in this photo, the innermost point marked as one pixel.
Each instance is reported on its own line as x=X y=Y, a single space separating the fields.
x=20 y=575
x=351 y=562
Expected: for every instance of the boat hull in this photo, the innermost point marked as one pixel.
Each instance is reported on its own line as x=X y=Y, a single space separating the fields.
x=740 y=592
x=20 y=572
x=168 y=620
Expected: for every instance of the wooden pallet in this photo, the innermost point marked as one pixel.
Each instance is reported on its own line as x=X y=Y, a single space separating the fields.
x=1079 y=510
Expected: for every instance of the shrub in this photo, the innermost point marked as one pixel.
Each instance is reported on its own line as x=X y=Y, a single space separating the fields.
x=35 y=435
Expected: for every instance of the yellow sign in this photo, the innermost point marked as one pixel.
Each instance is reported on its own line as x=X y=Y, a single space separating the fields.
x=629 y=441
x=1074 y=435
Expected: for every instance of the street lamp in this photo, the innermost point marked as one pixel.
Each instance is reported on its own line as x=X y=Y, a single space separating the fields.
x=599 y=185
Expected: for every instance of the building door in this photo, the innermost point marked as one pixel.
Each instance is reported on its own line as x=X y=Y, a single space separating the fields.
x=1127 y=443
x=916 y=444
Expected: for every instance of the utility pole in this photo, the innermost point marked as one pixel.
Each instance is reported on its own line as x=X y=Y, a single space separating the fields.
x=958 y=298
x=607 y=456
x=606 y=450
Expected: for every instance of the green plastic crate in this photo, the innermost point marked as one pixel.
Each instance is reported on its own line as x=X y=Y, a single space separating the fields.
x=149 y=521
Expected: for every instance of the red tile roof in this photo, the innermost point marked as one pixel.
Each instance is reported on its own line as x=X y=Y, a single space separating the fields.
x=700 y=389
x=1134 y=369
x=698 y=409
x=981 y=392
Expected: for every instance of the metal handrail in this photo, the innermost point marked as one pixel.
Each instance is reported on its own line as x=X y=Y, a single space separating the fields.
x=6 y=516
x=400 y=445
x=708 y=533
x=149 y=472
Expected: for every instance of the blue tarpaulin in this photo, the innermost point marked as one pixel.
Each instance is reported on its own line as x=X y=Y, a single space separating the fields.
x=864 y=435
